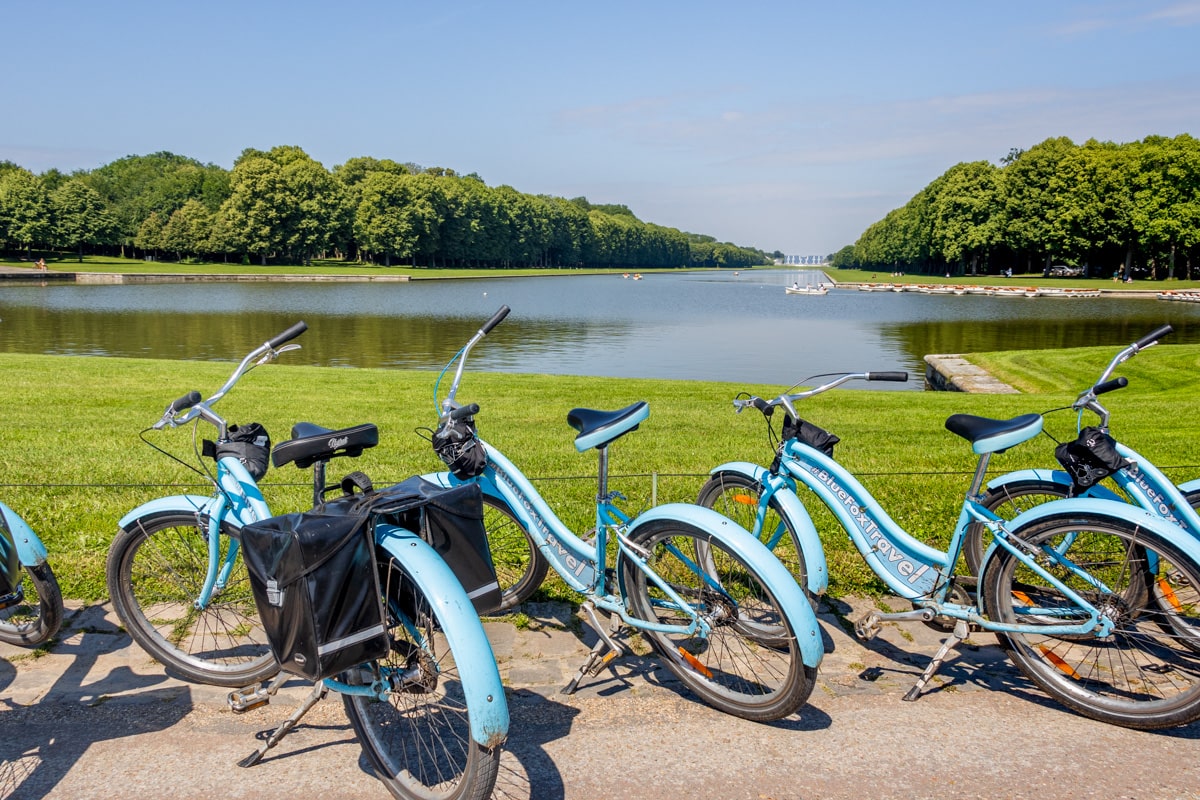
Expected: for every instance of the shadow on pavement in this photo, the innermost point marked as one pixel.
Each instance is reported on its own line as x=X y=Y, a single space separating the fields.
x=42 y=741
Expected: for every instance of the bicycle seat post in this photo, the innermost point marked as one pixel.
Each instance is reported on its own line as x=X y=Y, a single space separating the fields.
x=318 y=482
x=602 y=489
x=980 y=473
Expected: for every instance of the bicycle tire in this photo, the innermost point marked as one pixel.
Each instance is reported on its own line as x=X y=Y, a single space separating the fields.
x=1022 y=495
x=419 y=741
x=156 y=566
x=737 y=496
x=750 y=664
x=39 y=615
x=1143 y=675
x=520 y=565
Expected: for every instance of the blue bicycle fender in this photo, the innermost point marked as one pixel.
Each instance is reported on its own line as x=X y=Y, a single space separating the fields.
x=778 y=580
x=487 y=707
x=1113 y=509
x=1056 y=476
x=30 y=550
x=797 y=516
x=181 y=503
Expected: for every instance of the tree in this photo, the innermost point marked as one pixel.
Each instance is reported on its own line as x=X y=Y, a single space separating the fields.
x=80 y=216
x=149 y=234
x=381 y=224
x=188 y=230
x=966 y=213
x=24 y=209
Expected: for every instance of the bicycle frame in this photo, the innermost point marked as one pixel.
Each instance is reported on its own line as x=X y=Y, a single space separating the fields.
x=580 y=563
x=912 y=569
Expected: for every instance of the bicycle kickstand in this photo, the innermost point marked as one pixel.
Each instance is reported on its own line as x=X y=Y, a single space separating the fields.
x=318 y=693
x=598 y=659
x=961 y=630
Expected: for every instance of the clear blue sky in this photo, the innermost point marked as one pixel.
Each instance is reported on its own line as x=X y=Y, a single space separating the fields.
x=778 y=125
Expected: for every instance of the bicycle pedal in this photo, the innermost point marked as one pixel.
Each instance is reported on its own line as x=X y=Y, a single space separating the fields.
x=868 y=627
x=247 y=699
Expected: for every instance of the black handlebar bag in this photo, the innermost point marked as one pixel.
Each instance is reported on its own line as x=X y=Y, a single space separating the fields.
x=317 y=589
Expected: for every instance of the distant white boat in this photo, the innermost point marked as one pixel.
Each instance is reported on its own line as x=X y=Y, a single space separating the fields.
x=808 y=289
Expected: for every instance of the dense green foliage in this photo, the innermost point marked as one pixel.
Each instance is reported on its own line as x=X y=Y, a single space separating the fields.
x=281 y=206
x=72 y=476
x=1099 y=207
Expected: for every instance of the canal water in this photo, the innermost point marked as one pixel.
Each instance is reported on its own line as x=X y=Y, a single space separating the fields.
x=696 y=325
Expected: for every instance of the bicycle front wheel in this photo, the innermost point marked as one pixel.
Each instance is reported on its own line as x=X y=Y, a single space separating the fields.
x=1143 y=674
x=748 y=664
x=520 y=566
x=38 y=616
x=1007 y=502
x=155 y=573
x=419 y=740
x=737 y=497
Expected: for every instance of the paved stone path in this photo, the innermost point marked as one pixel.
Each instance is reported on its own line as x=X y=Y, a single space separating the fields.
x=95 y=718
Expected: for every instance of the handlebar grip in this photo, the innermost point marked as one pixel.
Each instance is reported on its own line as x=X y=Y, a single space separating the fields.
x=291 y=333
x=465 y=411
x=496 y=319
x=187 y=401
x=1153 y=336
x=896 y=377
x=1110 y=386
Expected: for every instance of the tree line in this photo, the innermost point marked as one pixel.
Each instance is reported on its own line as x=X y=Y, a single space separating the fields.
x=1130 y=209
x=281 y=206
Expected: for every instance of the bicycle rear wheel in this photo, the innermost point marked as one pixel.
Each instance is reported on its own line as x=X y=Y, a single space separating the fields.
x=749 y=664
x=1144 y=674
x=155 y=571
x=419 y=741
x=737 y=497
x=38 y=617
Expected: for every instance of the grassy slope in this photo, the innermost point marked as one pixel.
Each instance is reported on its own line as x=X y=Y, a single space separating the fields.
x=72 y=465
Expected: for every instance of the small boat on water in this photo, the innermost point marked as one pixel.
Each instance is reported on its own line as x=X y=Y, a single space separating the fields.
x=817 y=289
x=637 y=276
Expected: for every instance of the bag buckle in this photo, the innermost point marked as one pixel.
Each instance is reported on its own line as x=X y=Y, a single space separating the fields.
x=274 y=593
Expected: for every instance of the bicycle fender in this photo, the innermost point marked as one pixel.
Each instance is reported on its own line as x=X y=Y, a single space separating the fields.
x=486 y=704
x=30 y=550
x=1190 y=486
x=1112 y=509
x=798 y=517
x=778 y=580
x=180 y=503
x=1056 y=476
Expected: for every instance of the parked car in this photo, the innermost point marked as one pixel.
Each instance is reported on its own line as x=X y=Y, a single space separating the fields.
x=1063 y=271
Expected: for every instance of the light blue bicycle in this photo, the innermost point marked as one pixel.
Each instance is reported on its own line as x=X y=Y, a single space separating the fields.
x=431 y=716
x=722 y=612
x=31 y=605
x=1066 y=586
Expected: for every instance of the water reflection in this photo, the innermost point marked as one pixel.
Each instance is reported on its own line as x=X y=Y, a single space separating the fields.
x=715 y=326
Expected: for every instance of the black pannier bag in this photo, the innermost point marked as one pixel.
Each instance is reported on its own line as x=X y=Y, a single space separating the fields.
x=451 y=521
x=314 y=575
x=317 y=590
x=811 y=435
x=1090 y=458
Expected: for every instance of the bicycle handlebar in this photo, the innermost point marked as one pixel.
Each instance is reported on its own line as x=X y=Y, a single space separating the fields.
x=1110 y=386
x=465 y=411
x=448 y=408
x=1152 y=337
x=291 y=333
x=786 y=400
x=193 y=406
x=496 y=319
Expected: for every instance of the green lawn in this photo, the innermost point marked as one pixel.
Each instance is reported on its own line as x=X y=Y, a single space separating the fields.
x=72 y=464
x=1031 y=279
x=106 y=264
